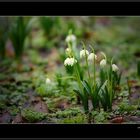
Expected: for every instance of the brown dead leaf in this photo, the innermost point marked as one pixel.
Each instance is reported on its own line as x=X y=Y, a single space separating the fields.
x=17 y=119
x=39 y=105
x=5 y=117
x=63 y=105
x=117 y=120
x=88 y=35
x=9 y=50
x=132 y=119
x=132 y=82
x=34 y=100
x=118 y=88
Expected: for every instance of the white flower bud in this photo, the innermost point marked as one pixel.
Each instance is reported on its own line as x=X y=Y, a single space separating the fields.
x=83 y=53
x=102 y=63
x=92 y=56
x=114 y=68
x=70 y=61
x=68 y=51
x=48 y=81
x=70 y=38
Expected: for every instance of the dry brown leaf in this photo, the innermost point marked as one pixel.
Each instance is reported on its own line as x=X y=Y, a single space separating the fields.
x=117 y=120
x=17 y=119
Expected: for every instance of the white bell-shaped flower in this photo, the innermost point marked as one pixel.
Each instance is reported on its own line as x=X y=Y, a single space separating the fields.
x=92 y=56
x=103 y=63
x=83 y=53
x=70 y=38
x=70 y=61
x=114 y=68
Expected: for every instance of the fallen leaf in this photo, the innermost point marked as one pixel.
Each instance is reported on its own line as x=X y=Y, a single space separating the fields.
x=63 y=105
x=88 y=35
x=5 y=117
x=118 y=88
x=132 y=119
x=9 y=50
x=39 y=105
x=17 y=119
x=131 y=82
x=117 y=120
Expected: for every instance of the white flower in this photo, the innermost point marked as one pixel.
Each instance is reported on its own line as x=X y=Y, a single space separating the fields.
x=114 y=68
x=48 y=81
x=103 y=63
x=83 y=53
x=68 y=51
x=70 y=61
x=70 y=38
x=92 y=56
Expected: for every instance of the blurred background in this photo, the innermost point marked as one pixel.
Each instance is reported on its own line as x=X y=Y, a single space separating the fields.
x=28 y=36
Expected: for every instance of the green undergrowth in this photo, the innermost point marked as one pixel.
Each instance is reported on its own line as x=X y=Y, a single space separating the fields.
x=32 y=116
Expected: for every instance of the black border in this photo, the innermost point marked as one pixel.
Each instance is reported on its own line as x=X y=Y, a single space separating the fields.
x=70 y=1
x=69 y=130
x=70 y=8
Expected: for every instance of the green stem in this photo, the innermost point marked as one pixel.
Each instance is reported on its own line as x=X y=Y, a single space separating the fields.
x=78 y=76
x=94 y=67
x=88 y=70
x=67 y=77
x=87 y=65
x=111 y=84
x=94 y=70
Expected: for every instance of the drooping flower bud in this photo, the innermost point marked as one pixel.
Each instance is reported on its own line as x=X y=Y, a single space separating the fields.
x=68 y=51
x=103 y=63
x=114 y=68
x=70 y=38
x=92 y=56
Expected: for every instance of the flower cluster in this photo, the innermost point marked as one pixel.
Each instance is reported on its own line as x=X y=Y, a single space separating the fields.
x=100 y=89
x=92 y=57
x=70 y=60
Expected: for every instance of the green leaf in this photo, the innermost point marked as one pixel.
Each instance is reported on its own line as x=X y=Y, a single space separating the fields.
x=86 y=86
x=84 y=99
x=79 y=94
x=102 y=86
x=17 y=35
x=138 y=68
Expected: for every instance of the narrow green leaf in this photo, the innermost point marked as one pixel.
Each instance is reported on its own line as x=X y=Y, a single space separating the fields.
x=86 y=86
